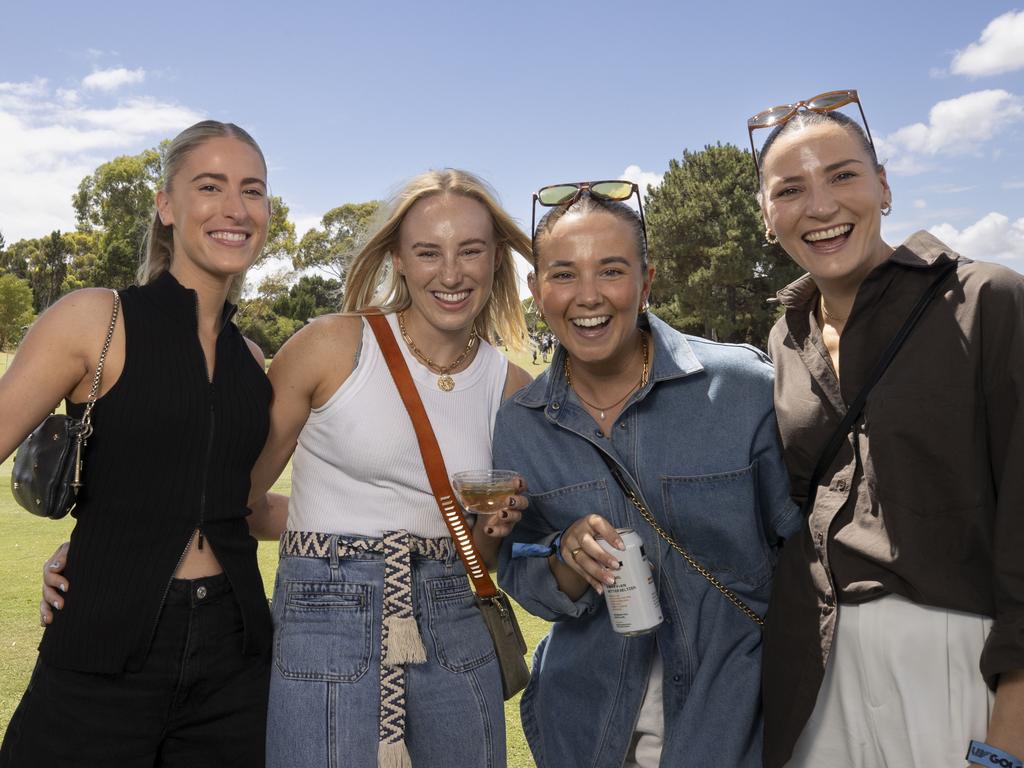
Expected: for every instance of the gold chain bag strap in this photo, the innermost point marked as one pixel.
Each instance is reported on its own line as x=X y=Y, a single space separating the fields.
x=729 y=595
x=495 y=607
x=47 y=470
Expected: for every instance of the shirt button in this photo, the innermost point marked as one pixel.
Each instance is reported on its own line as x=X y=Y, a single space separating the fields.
x=200 y=593
x=555 y=406
x=676 y=678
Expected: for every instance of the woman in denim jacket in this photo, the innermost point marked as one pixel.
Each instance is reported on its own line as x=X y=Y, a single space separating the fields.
x=693 y=429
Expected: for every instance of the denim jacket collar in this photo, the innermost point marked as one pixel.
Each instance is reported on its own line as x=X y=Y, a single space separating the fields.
x=673 y=358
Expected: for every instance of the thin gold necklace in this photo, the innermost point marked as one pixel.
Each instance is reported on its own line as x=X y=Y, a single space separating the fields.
x=644 y=344
x=826 y=314
x=444 y=380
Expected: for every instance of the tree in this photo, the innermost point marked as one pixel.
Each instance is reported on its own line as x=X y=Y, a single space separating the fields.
x=117 y=202
x=48 y=268
x=329 y=247
x=310 y=297
x=280 y=233
x=13 y=260
x=15 y=309
x=706 y=237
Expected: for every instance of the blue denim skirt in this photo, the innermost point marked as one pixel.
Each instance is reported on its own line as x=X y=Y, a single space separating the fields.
x=325 y=684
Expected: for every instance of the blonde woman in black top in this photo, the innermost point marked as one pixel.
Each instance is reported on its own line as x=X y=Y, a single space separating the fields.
x=162 y=657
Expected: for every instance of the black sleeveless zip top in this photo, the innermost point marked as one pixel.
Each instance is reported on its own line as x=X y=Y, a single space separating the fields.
x=171 y=451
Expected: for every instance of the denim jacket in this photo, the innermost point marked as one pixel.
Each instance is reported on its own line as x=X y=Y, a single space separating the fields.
x=701 y=443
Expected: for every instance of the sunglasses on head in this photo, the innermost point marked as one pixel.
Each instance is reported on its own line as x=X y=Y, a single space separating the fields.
x=823 y=102
x=555 y=195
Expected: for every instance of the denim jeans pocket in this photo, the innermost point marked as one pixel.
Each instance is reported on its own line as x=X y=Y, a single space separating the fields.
x=324 y=632
x=456 y=627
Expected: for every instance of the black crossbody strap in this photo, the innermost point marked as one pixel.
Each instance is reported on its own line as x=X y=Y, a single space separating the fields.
x=857 y=406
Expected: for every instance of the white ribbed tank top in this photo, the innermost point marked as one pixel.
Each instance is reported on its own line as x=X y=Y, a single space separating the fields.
x=357 y=468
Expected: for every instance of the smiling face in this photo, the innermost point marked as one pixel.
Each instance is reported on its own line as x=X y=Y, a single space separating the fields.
x=447 y=255
x=822 y=196
x=217 y=204
x=590 y=284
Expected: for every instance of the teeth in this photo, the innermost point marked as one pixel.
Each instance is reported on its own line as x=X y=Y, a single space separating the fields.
x=590 y=322
x=454 y=298
x=234 y=237
x=827 y=234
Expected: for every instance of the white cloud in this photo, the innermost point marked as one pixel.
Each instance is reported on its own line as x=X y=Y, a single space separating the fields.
x=112 y=79
x=1016 y=184
x=1000 y=49
x=642 y=178
x=920 y=204
x=51 y=139
x=955 y=127
x=992 y=238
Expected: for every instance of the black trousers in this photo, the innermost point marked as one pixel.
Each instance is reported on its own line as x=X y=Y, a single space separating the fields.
x=196 y=702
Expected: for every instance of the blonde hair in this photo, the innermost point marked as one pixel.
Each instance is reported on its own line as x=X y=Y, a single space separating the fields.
x=158 y=245
x=371 y=281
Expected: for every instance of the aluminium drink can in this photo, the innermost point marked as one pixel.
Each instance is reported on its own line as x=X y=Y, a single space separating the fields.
x=633 y=599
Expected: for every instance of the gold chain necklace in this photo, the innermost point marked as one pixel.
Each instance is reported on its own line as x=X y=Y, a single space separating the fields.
x=828 y=315
x=644 y=344
x=444 y=380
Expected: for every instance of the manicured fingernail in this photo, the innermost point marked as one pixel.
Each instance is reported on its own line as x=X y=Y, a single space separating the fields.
x=56 y=605
x=512 y=501
x=599 y=589
x=609 y=580
x=54 y=565
x=63 y=587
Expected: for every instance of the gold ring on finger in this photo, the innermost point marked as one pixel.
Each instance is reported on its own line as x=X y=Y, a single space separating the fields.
x=574 y=552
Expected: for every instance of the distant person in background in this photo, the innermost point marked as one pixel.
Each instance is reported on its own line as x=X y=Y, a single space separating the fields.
x=896 y=630
x=162 y=657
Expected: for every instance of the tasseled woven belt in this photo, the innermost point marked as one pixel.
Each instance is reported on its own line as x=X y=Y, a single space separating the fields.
x=400 y=641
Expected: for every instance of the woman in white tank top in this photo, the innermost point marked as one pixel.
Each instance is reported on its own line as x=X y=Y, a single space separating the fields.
x=442 y=270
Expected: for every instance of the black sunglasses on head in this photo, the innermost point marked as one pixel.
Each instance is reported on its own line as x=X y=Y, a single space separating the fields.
x=555 y=195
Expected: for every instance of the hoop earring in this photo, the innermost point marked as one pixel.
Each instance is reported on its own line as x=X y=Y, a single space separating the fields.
x=769 y=237
x=644 y=306
x=886 y=209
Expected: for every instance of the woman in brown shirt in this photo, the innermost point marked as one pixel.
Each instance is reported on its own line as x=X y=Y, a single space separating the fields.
x=917 y=525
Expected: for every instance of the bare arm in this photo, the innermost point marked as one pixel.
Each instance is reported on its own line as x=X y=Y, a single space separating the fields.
x=307 y=370
x=489 y=531
x=1006 y=728
x=56 y=359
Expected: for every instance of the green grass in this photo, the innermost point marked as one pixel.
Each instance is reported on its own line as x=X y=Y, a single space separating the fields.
x=26 y=542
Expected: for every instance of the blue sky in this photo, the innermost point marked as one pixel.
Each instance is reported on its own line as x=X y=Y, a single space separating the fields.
x=348 y=99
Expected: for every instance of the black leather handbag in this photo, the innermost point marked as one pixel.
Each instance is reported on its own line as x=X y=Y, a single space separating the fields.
x=48 y=465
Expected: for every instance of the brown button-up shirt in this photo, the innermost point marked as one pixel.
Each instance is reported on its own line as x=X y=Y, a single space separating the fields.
x=925 y=497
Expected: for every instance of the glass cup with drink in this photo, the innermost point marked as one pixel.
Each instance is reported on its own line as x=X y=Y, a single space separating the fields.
x=485 y=491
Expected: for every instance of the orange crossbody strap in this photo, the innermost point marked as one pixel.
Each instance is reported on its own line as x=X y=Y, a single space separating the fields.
x=433 y=461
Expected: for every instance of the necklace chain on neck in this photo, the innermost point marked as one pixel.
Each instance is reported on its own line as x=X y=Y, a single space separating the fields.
x=826 y=314
x=444 y=380
x=644 y=373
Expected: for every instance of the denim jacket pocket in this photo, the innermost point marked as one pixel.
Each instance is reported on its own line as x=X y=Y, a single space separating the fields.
x=456 y=627
x=563 y=506
x=324 y=631
x=715 y=518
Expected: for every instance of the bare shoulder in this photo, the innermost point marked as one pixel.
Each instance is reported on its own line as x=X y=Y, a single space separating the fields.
x=74 y=320
x=320 y=356
x=324 y=335
x=257 y=351
x=515 y=379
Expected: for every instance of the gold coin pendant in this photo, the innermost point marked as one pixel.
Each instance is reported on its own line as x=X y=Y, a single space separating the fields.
x=445 y=383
